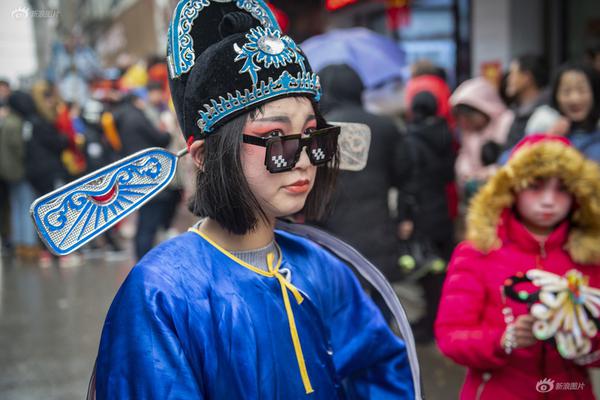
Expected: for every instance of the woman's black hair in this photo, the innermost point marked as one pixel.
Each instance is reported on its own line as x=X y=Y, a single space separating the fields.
x=590 y=122
x=222 y=192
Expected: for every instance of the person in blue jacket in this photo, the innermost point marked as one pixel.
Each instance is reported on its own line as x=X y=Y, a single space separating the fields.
x=234 y=308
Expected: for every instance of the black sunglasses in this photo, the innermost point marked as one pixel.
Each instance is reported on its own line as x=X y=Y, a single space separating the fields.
x=283 y=152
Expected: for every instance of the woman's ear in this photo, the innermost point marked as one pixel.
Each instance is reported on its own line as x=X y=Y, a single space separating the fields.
x=197 y=153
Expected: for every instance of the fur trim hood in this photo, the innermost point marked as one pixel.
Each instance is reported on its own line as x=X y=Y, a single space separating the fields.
x=546 y=158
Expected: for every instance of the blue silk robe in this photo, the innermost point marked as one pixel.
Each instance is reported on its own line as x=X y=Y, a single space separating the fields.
x=193 y=322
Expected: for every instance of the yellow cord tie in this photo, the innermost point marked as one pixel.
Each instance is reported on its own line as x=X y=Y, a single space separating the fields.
x=288 y=309
x=285 y=286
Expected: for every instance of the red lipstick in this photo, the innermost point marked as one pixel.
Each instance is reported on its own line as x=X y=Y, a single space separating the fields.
x=298 y=187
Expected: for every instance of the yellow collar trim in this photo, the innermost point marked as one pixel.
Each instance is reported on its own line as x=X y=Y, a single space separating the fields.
x=259 y=271
x=274 y=273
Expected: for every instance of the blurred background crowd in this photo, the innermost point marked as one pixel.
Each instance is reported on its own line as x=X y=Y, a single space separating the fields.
x=448 y=87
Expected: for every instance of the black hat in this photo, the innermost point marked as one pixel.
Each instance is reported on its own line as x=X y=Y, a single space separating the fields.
x=226 y=57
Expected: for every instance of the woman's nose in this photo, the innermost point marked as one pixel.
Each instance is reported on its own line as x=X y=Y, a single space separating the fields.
x=303 y=161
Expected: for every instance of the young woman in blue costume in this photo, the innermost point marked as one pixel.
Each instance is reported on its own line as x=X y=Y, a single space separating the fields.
x=234 y=309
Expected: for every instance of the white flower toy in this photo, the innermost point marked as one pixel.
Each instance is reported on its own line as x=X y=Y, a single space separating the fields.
x=566 y=310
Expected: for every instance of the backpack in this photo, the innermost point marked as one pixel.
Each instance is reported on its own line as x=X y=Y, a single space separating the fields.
x=12 y=147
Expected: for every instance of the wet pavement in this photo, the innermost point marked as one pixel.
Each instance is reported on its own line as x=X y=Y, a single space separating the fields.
x=50 y=322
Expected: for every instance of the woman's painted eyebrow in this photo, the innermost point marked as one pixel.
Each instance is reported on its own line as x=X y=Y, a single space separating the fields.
x=283 y=118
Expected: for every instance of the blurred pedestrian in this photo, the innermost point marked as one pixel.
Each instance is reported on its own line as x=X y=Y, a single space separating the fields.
x=574 y=110
x=159 y=212
x=45 y=166
x=5 y=91
x=98 y=153
x=97 y=148
x=45 y=169
x=137 y=132
x=540 y=211
x=15 y=132
x=483 y=121
x=593 y=57
x=526 y=81
x=423 y=213
x=363 y=195
x=69 y=125
x=427 y=77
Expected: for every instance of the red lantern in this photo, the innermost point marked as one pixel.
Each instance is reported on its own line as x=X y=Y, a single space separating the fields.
x=333 y=5
x=398 y=13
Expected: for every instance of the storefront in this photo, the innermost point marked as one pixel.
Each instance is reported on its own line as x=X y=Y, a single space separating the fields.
x=472 y=37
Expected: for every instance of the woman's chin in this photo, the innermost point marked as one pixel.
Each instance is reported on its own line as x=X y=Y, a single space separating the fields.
x=289 y=210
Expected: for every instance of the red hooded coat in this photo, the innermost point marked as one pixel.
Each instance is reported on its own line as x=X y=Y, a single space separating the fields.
x=470 y=321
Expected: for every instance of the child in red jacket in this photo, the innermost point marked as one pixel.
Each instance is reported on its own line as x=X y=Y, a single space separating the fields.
x=540 y=211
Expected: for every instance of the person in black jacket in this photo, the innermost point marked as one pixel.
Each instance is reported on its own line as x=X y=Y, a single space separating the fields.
x=137 y=133
x=525 y=83
x=360 y=213
x=135 y=129
x=44 y=143
x=423 y=208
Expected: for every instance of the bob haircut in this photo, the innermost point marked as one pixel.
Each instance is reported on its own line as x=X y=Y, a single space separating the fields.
x=222 y=192
x=591 y=120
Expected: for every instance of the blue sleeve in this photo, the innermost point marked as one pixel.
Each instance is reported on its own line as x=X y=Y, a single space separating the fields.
x=141 y=354
x=371 y=361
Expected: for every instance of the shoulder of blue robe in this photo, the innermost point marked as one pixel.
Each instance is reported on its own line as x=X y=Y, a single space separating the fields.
x=144 y=353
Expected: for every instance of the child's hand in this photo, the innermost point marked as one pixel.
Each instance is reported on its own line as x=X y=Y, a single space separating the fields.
x=523 y=332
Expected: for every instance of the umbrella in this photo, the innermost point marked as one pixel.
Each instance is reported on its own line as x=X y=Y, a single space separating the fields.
x=376 y=58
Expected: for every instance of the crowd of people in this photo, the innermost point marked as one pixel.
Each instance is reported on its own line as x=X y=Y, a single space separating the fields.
x=59 y=130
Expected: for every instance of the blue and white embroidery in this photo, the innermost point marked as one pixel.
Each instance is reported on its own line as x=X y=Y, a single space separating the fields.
x=181 y=55
x=76 y=214
x=303 y=82
x=267 y=47
x=260 y=11
x=118 y=190
x=180 y=47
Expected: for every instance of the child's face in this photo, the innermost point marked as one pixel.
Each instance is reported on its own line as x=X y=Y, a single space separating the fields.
x=574 y=96
x=283 y=193
x=471 y=121
x=544 y=204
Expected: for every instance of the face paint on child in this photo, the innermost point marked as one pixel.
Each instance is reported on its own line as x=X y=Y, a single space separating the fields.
x=283 y=193
x=543 y=204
